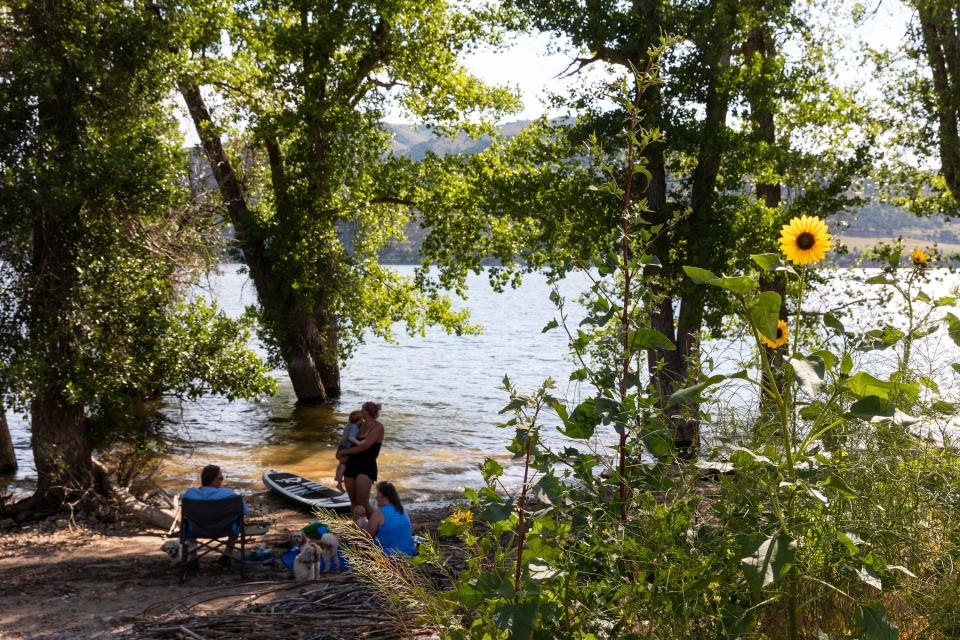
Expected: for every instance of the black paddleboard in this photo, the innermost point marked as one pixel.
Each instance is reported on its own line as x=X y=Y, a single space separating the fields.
x=306 y=493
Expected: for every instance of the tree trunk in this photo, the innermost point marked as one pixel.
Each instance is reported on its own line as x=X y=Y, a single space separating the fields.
x=61 y=449
x=59 y=437
x=760 y=96
x=940 y=29
x=309 y=350
x=8 y=457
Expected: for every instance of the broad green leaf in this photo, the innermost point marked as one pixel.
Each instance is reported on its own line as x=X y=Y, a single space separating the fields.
x=816 y=493
x=646 y=339
x=807 y=375
x=582 y=422
x=834 y=323
x=880 y=339
x=869 y=407
x=838 y=485
x=764 y=310
x=953 y=327
x=741 y=285
x=851 y=541
x=700 y=276
x=828 y=359
x=864 y=384
x=872 y=618
x=769 y=562
x=494 y=511
x=869 y=576
x=491 y=469
x=538 y=570
x=773 y=262
x=553 y=324
x=902 y=569
x=879 y=279
x=846 y=364
x=691 y=394
x=548 y=489
x=753 y=455
x=518 y=619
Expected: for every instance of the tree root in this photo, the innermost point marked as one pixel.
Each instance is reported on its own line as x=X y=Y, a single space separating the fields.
x=102 y=495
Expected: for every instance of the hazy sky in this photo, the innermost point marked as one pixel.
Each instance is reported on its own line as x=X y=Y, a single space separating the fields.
x=529 y=67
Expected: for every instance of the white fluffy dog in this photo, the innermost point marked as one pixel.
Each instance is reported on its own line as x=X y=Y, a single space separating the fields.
x=298 y=539
x=329 y=544
x=173 y=549
x=307 y=563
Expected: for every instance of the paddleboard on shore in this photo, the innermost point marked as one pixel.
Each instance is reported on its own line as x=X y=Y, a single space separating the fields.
x=306 y=493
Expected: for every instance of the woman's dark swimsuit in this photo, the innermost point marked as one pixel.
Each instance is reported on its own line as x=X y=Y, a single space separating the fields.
x=363 y=463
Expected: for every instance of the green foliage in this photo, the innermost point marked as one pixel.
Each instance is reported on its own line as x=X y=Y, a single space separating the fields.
x=101 y=237
x=306 y=88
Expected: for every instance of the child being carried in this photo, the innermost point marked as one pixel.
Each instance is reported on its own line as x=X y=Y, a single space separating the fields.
x=349 y=439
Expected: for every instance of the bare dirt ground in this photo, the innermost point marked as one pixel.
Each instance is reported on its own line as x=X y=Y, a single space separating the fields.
x=61 y=580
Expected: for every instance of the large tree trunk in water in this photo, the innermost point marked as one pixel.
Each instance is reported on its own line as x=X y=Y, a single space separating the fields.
x=311 y=348
x=307 y=341
x=61 y=449
x=8 y=457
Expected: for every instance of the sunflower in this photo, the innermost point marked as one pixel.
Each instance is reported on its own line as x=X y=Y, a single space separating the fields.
x=919 y=257
x=805 y=240
x=782 y=336
x=462 y=517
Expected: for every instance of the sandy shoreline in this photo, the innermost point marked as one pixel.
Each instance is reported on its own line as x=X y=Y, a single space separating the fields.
x=95 y=580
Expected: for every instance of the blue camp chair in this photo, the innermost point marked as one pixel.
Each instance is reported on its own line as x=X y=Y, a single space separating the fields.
x=211 y=523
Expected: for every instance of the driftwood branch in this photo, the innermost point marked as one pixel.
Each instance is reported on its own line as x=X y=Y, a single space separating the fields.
x=153 y=516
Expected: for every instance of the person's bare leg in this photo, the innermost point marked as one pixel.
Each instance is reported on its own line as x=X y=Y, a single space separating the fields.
x=363 y=484
x=338 y=477
x=352 y=490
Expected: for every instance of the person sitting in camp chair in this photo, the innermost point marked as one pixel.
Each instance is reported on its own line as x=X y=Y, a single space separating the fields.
x=212 y=512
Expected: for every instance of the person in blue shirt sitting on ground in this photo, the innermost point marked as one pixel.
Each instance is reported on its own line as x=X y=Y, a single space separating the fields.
x=390 y=524
x=211 y=488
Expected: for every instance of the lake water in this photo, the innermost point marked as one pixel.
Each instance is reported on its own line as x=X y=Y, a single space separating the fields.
x=440 y=395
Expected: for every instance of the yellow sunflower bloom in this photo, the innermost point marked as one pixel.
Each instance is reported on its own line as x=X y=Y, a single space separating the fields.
x=919 y=257
x=805 y=240
x=462 y=517
x=782 y=336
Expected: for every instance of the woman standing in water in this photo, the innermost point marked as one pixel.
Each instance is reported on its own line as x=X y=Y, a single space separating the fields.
x=361 y=471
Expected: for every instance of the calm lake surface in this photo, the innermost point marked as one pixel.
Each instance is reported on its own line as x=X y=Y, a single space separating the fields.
x=441 y=394
x=440 y=397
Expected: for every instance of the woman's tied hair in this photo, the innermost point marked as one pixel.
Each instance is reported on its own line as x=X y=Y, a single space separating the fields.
x=388 y=491
x=372 y=409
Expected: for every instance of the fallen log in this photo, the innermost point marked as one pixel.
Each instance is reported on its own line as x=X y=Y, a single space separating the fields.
x=148 y=514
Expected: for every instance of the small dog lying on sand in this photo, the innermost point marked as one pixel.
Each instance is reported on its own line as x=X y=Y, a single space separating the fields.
x=173 y=549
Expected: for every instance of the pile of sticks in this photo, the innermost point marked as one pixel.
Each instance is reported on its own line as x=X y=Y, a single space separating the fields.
x=338 y=607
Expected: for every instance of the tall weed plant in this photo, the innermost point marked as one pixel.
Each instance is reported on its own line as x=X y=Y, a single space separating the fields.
x=826 y=510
